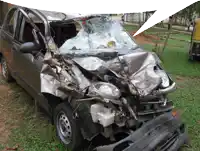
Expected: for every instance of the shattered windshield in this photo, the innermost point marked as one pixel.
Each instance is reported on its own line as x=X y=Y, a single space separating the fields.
x=99 y=33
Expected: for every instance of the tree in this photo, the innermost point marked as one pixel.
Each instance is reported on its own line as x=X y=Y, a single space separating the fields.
x=197 y=8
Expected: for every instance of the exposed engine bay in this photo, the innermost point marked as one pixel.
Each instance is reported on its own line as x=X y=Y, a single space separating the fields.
x=112 y=91
x=95 y=82
x=112 y=96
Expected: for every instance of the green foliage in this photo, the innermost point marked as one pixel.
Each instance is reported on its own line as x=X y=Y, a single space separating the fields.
x=186 y=100
x=197 y=7
x=187 y=97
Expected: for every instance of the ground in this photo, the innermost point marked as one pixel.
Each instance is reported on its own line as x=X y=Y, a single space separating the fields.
x=19 y=125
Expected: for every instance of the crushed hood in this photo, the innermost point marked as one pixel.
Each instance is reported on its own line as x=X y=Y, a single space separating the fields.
x=140 y=68
x=61 y=75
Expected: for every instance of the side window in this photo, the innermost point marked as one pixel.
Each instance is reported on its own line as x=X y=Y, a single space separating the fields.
x=26 y=28
x=10 y=22
x=18 y=25
x=26 y=32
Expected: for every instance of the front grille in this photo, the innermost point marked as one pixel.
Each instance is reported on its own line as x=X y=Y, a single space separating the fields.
x=154 y=107
x=166 y=144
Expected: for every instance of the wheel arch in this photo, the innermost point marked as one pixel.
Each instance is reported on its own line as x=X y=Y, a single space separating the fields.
x=53 y=101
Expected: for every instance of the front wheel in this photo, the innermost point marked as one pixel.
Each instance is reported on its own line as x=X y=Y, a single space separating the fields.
x=67 y=129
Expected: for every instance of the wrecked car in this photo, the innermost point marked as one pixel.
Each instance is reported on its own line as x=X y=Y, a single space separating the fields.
x=93 y=79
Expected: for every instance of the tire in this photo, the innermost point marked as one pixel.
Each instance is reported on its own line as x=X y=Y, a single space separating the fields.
x=66 y=126
x=5 y=71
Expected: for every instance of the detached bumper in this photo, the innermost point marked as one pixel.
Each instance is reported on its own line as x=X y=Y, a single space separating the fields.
x=164 y=133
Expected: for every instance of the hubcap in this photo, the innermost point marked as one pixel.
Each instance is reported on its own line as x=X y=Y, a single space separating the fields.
x=64 y=128
x=4 y=68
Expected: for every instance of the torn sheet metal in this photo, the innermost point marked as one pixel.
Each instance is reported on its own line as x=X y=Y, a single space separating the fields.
x=60 y=77
x=124 y=59
x=60 y=74
x=162 y=133
x=140 y=69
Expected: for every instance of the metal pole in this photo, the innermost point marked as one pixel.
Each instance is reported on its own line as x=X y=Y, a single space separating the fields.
x=168 y=35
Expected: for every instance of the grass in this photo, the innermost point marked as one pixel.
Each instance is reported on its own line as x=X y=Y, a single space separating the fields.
x=135 y=28
x=186 y=75
x=176 y=62
x=186 y=99
x=36 y=134
x=181 y=36
x=33 y=133
x=175 y=55
x=175 y=58
x=131 y=28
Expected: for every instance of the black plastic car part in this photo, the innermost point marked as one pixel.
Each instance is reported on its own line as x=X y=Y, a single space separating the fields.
x=164 y=133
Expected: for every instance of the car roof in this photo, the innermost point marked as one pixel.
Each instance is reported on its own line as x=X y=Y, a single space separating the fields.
x=59 y=16
x=52 y=16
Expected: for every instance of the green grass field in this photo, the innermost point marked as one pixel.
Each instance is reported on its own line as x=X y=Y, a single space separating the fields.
x=187 y=77
x=34 y=133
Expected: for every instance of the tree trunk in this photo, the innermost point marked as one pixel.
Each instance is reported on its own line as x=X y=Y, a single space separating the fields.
x=175 y=19
x=181 y=20
x=166 y=40
x=140 y=25
x=185 y=21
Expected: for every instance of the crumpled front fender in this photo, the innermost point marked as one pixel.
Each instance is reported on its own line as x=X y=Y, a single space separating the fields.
x=164 y=133
x=61 y=77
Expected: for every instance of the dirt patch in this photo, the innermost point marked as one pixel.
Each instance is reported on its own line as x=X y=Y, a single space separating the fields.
x=4 y=127
x=179 y=78
x=9 y=117
x=4 y=105
x=5 y=132
x=146 y=39
x=4 y=90
x=152 y=39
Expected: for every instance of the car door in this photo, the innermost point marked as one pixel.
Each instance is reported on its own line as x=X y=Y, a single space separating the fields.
x=28 y=65
x=7 y=37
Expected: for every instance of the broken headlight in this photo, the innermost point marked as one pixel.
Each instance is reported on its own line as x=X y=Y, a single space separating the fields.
x=107 y=90
x=164 y=77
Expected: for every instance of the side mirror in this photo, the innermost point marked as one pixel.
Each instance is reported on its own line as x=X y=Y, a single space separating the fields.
x=29 y=47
